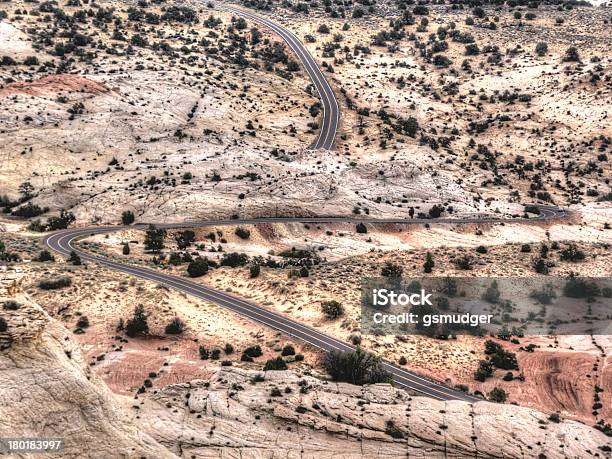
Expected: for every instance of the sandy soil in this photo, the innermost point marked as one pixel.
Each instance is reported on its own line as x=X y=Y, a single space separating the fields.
x=451 y=361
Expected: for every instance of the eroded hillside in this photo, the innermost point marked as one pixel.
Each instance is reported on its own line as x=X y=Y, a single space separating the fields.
x=182 y=112
x=235 y=412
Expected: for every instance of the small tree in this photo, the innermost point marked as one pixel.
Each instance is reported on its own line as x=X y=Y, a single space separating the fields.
x=62 y=222
x=154 y=239
x=126 y=248
x=254 y=271
x=332 y=309
x=429 y=263
x=3 y=325
x=361 y=228
x=127 y=217
x=491 y=295
x=137 y=325
x=541 y=49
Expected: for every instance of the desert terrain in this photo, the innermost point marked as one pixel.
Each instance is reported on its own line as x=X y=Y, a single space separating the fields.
x=137 y=113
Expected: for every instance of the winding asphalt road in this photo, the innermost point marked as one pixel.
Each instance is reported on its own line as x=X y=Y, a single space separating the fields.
x=331 y=109
x=63 y=241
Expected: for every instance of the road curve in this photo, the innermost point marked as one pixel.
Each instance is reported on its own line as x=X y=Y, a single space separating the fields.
x=331 y=109
x=62 y=242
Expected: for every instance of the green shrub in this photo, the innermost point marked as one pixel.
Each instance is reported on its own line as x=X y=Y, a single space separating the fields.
x=541 y=49
x=466 y=262
x=11 y=305
x=204 y=354
x=572 y=253
x=429 y=263
x=197 y=267
x=576 y=287
x=253 y=351
x=332 y=309
x=498 y=395
x=540 y=266
x=393 y=431
x=356 y=367
x=288 y=350
x=175 y=327
x=276 y=364
x=75 y=259
x=184 y=239
x=55 y=284
x=44 y=255
x=234 y=259
x=242 y=233
x=29 y=211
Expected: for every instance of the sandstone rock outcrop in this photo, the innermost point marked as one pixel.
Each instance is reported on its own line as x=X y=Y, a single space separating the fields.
x=47 y=390
x=281 y=414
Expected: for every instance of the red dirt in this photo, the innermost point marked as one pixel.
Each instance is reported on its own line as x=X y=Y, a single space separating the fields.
x=54 y=84
x=560 y=381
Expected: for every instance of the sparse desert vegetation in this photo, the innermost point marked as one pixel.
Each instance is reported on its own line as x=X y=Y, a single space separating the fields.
x=146 y=113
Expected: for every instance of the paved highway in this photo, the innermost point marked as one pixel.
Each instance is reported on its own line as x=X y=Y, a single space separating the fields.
x=331 y=110
x=63 y=242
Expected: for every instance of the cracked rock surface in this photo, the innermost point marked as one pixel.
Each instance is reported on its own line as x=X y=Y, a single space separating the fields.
x=237 y=414
x=48 y=390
